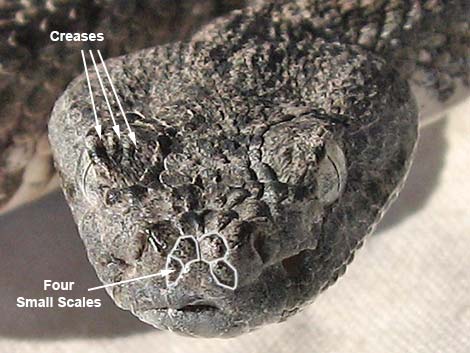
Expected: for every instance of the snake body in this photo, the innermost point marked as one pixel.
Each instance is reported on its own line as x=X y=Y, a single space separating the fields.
x=285 y=128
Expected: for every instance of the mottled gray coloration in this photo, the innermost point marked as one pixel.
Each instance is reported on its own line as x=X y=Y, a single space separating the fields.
x=427 y=42
x=287 y=128
x=288 y=145
x=34 y=71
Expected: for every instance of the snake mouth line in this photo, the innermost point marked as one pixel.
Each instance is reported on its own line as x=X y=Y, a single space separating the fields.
x=191 y=309
x=198 y=308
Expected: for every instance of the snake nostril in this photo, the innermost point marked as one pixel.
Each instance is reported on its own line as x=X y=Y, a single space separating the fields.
x=261 y=247
x=296 y=265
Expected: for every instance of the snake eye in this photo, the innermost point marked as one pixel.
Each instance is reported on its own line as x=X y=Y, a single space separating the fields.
x=331 y=174
x=112 y=196
x=302 y=156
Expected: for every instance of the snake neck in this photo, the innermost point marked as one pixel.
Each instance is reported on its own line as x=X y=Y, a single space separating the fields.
x=426 y=41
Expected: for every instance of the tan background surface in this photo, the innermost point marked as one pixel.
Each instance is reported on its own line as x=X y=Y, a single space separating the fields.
x=407 y=291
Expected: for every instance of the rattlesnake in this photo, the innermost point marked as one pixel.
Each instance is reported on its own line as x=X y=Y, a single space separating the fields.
x=34 y=71
x=286 y=128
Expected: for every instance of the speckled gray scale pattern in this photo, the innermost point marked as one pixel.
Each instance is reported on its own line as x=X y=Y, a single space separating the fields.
x=34 y=71
x=288 y=145
x=286 y=128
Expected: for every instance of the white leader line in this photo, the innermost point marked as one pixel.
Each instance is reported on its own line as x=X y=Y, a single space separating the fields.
x=162 y=273
x=97 y=124
x=114 y=90
x=102 y=88
x=132 y=135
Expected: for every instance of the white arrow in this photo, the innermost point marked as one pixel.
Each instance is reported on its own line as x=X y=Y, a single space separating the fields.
x=162 y=273
x=131 y=133
x=115 y=126
x=97 y=124
x=132 y=136
x=116 y=130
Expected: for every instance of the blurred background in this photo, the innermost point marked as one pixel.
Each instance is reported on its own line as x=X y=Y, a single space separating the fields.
x=408 y=289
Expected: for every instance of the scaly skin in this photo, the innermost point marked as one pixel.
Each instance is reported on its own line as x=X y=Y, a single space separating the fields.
x=284 y=129
x=426 y=41
x=287 y=128
x=34 y=71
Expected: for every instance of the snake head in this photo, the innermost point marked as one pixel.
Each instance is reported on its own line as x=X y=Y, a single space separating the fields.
x=258 y=170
